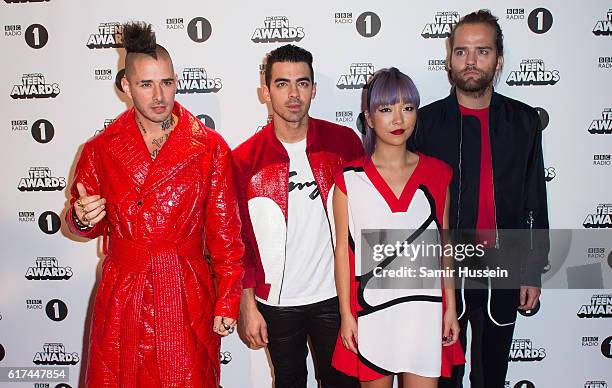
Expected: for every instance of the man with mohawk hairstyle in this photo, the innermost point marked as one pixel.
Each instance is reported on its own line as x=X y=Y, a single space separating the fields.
x=157 y=184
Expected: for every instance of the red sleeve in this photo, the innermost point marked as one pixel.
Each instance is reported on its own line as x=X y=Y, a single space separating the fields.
x=87 y=174
x=339 y=180
x=222 y=232
x=241 y=177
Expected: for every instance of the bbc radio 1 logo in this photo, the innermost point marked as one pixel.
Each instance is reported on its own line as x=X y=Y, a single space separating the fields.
x=357 y=77
x=41 y=179
x=48 y=268
x=604 y=63
x=103 y=74
x=602 y=126
x=225 y=357
x=595 y=384
x=207 y=120
x=443 y=24
x=436 y=65
x=56 y=310
x=343 y=18
x=524 y=384
x=35 y=35
x=42 y=130
x=27 y=216
x=54 y=353
x=196 y=80
x=606 y=347
x=34 y=85
x=523 y=350
x=49 y=222
x=175 y=24
x=604 y=27
x=515 y=13
x=109 y=35
x=600 y=306
x=277 y=29
x=601 y=160
x=602 y=218
x=532 y=72
x=344 y=117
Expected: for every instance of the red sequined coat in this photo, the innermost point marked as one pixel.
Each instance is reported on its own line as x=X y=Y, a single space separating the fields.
x=153 y=311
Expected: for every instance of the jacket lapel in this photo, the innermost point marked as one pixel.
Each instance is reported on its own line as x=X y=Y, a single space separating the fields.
x=127 y=149
x=186 y=143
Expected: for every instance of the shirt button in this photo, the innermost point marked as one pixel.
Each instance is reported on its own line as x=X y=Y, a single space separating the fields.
x=139 y=203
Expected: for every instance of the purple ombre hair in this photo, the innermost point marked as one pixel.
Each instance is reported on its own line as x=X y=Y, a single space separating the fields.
x=386 y=87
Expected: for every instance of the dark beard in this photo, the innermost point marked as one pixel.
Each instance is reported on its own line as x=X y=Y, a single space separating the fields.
x=477 y=87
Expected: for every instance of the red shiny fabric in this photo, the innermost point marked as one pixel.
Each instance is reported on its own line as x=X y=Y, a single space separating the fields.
x=153 y=311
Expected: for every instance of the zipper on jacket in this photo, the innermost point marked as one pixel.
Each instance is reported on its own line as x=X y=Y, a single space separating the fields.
x=530 y=220
x=280 y=290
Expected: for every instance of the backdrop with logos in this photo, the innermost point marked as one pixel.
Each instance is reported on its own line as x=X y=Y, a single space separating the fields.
x=59 y=88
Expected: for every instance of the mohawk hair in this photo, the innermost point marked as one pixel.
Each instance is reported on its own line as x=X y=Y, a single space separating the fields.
x=138 y=37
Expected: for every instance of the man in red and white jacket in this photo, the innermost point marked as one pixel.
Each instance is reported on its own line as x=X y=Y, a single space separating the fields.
x=284 y=179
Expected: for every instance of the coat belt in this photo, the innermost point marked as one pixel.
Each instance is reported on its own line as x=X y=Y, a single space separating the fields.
x=161 y=261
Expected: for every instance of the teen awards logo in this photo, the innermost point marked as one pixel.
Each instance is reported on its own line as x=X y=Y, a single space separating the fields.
x=595 y=384
x=549 y=173
x=225 y=357
x=276 y=29
x=41 y=179
x=604 y=27
x=444 y=21
x=601 y=160
x=55 y=354
x=523 y=350
x=436 y=65
x=109 y=35
x=532 y=72
x=602 y=217
x=602 y=126
x=195 y=80
x=33 y=85
x=48 y=268
x=600 y=306
x=358 y=76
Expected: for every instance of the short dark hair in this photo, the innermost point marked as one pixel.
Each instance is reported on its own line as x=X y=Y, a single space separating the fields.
x=139 y=39
x=287 y=53
x=483 y=16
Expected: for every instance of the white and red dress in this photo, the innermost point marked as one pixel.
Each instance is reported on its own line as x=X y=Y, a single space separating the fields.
x=399 y=320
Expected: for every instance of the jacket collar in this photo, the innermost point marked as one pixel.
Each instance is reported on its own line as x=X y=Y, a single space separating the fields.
x=453 y=105
x=311 y=136
x=128 y=150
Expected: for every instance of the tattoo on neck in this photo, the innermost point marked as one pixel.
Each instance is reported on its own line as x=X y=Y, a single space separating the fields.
x=167 y=123
x=142 y=128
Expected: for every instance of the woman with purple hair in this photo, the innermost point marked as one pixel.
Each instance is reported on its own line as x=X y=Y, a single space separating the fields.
x=396 y=297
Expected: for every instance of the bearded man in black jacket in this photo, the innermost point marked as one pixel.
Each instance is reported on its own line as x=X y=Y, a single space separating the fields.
x=494 y=146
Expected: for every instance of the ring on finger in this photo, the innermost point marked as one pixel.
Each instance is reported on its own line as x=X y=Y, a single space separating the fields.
x=80 y=204
x=85 y=217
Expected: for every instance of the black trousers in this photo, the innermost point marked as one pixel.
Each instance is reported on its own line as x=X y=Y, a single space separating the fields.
x=288 y=331
x=490 y=345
